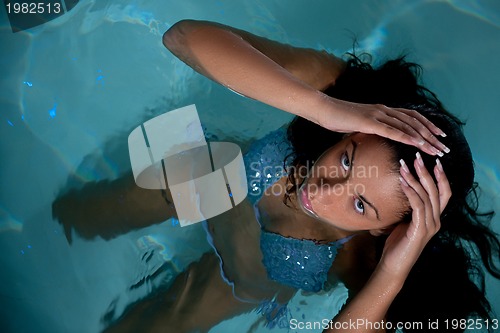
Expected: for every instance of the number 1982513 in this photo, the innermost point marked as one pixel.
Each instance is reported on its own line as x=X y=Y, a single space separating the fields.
x=471 y=324
x=33 y=8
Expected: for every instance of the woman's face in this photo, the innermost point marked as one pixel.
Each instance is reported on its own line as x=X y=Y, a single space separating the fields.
x=353 y=186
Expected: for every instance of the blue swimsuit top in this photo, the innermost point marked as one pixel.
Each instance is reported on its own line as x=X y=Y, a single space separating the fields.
x=299 y=263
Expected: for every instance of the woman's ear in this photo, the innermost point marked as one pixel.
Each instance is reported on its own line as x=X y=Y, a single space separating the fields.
x=383 y=231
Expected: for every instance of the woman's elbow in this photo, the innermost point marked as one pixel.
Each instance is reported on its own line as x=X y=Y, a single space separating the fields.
x=175 y=38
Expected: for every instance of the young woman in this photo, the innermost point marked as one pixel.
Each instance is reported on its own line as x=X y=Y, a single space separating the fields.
x=422 y=269
x=370 y=198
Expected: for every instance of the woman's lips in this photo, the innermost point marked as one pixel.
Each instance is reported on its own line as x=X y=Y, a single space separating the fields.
x=304 y=199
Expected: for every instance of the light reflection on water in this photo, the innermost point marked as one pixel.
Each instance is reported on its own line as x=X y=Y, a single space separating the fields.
x=9 y=222
x=488 y=12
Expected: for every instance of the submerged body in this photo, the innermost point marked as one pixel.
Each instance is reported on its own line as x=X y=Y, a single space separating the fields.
x=251 y=267
x=375 y=209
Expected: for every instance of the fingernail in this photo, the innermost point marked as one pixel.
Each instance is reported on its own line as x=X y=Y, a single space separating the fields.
x=446 y=149
x=419 y=159
x=439 y=165
x=403 y=182
x=437 y=152
x=443 y=134
x=404 y=166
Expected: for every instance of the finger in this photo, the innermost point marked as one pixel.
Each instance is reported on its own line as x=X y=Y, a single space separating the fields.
x=389 y=128
x=419 y=189
x=417 y=226
x=423 y=126
x=416 y=129
x=443 y=185
x=398 y=130
x=422 y=119
x=429 y=185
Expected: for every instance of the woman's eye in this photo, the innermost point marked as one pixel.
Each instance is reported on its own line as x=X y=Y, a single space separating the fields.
x=359 y=206
x=344 y=160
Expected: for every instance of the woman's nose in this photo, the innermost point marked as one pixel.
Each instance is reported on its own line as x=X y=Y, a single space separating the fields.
x=332 y=181
x=329 y=189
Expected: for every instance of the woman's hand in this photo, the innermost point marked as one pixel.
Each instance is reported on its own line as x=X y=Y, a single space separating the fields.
x=398 y=124
x=401 y=251
x=427 y=199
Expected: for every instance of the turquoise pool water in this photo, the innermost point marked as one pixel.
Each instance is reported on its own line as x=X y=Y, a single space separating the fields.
x=73 y=89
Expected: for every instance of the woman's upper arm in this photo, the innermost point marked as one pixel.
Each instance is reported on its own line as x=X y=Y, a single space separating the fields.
x=318 y=69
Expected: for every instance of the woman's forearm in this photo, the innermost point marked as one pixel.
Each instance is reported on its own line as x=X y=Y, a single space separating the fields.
x=279 y=75
x=366 y=312
x=274 y=73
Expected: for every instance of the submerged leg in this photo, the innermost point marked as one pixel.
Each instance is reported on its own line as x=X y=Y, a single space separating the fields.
x=197 y=300
x=111 y=208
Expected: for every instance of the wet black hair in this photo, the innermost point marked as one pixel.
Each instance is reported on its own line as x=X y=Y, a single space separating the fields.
x=448 y=280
